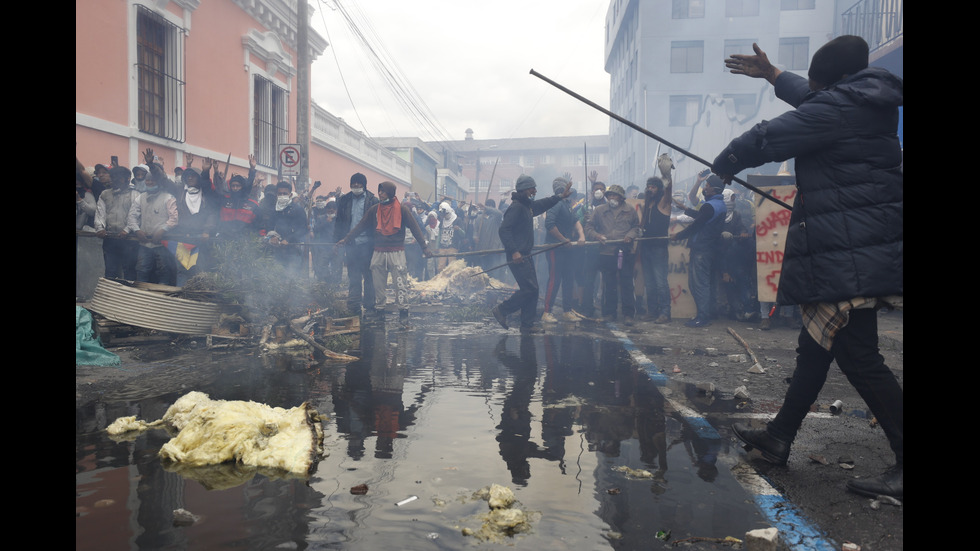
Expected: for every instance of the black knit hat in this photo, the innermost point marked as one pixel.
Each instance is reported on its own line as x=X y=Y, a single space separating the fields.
x=844 y=55
x=525 y=182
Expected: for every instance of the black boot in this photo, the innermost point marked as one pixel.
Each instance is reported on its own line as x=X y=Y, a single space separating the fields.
x=888 y=483
x=773 y=449
x=499 y=316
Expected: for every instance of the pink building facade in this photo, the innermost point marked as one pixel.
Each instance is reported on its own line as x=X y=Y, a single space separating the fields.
x=207 y=79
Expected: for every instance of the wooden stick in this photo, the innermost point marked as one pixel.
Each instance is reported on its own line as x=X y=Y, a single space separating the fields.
x=330 y=354
x=745 y=345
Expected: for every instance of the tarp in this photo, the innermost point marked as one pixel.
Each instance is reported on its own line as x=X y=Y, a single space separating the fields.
x=88 y=349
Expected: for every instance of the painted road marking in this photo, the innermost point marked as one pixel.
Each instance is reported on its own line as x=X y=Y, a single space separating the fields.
x=795 y=530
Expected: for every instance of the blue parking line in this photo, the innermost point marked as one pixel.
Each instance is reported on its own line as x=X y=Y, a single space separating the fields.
x=795 y=530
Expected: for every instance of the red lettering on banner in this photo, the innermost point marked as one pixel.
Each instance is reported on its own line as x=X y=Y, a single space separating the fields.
x=769 y=257
x=772 y=278
x=784 y=198
x=775 y=219
x=675 y=293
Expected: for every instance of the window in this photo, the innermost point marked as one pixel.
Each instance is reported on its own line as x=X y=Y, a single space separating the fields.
x=741 y=8
x=794 y=53
x=684 y=110
x=790 y=5
x=739 y=46
x=687 y=9
x=160 y=72
x=744 y=104
x=687 y=56
x=271 y=111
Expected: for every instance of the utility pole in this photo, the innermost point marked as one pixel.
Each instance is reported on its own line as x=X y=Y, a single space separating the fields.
x=303 y=92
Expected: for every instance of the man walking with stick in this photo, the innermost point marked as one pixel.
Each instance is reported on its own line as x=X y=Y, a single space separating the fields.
x=844 y=247
x=517 y=235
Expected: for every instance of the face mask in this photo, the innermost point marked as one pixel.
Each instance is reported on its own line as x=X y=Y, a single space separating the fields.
x=193 y=190
x=597 y=194
x=386 y=201
x=283 y=201
x=613 y=203
x=357 y=190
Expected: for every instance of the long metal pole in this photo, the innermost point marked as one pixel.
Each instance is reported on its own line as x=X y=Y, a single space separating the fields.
x=639 y=128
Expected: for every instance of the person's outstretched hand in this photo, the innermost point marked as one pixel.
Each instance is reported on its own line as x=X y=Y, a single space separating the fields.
x=755 y=66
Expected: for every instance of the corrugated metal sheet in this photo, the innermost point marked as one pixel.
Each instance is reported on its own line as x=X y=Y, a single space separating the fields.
x=151 y=310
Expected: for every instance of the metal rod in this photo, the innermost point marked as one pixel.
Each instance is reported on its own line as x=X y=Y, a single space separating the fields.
x=642 y=130
x=523 y=258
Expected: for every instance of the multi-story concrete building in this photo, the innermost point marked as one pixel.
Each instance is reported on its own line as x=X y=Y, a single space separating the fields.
x=667 y=74
x=492 y=166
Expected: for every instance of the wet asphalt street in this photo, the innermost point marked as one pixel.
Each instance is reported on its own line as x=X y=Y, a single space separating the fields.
x=697 y=374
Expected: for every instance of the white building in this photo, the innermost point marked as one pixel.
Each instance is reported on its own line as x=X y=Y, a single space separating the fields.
x=667 y=74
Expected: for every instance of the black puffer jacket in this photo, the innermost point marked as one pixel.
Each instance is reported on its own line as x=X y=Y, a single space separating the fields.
x=517 y=228
x=845 y=236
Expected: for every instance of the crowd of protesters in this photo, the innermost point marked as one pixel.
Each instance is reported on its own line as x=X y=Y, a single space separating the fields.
x=158 y=228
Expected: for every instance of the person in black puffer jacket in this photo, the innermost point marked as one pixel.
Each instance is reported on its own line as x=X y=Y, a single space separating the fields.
x=844 y=246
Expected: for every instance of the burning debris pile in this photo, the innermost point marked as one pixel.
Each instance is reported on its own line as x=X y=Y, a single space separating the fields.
x=213 y=432
x=457 y=282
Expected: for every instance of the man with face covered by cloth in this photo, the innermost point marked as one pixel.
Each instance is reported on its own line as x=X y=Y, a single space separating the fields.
x=388 y=219
x=517 y=235
x=844 y=246
x=359 y=249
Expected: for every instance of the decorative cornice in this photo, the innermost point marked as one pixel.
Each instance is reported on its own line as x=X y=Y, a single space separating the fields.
x=279 y=16
x=268 y=48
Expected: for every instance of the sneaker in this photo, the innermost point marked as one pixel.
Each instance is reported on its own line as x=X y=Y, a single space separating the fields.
x=773 y=449
x=571 y=317
x=532 y=330
x=765 y=324
x=662 y=319
x=697 y=322
x=548 y=317
x=628 y=321
x=499 y=316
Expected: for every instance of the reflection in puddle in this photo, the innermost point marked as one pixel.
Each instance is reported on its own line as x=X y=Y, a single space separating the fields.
x=555 y=418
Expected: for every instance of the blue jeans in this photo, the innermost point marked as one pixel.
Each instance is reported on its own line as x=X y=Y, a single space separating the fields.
x=120 y=258
x=359 y=277
x=561 y=275
x=156 y=265
x=701 y=281
x=617 y=284
x=655 y=262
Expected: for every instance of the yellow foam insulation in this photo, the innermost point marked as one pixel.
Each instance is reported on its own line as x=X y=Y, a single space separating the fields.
x=211 y=432
x=505 y=519
x=458 y=278
x=634 y=473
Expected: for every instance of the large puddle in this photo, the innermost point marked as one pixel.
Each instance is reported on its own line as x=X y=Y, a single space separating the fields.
x=436 y=416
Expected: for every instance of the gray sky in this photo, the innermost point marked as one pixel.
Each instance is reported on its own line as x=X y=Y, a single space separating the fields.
x=469 y=61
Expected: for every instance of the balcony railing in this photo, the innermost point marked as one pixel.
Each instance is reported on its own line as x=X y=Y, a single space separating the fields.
x=877 y=21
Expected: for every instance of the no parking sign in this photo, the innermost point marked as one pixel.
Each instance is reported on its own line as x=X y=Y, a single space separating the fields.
x=289 y=158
